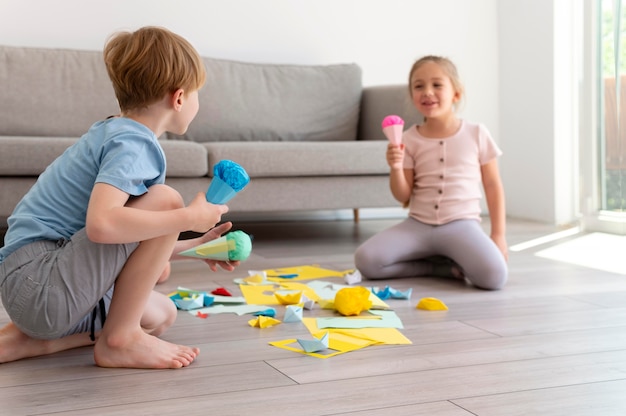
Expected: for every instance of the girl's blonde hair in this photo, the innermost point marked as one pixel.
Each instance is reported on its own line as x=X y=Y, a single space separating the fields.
x=149 y=63
x=448 y=67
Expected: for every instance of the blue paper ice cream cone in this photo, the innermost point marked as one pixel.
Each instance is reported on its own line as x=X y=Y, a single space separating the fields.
x=228 y=179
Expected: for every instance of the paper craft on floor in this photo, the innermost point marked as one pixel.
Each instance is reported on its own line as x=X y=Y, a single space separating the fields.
x=186 y=299
x=431 y=304
x=293 y=313
x=315 y=344
x=390 y=336
x=253 y=279
x=391 y=293
x=271 y=312
x=288 y=298
x=338 y=343
x=264 y=294
x=373 y=319
x=221 y=291
x=353 y=277
x=236 y=309
x=306 y=272
x=351 y=301
x=259 y=295
x=262 y=321
x=229 y=300
x=327 y=292
x=307 y=303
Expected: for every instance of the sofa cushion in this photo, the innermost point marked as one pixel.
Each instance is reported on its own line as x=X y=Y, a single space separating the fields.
x=289 y=159
x=266 y=102
x=185 y=159
x=52 y=92
x=29 y=156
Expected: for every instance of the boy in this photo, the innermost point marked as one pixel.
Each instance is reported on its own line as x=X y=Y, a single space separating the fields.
x=100 y=215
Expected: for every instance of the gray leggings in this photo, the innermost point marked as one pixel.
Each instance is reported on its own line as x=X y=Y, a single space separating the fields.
x=410 y=249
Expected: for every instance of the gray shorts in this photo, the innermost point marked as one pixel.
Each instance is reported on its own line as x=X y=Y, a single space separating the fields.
x=51 y=288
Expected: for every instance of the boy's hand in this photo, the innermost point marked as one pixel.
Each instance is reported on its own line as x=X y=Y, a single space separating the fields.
x=206 y=215
x=213 y=234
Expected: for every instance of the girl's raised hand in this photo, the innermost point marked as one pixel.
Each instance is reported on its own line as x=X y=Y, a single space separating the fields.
x=395 y=156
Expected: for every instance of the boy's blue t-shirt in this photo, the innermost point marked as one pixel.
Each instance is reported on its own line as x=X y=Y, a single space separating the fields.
x=117 y=151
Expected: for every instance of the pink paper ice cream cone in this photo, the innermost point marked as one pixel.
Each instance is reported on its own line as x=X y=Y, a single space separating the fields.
x=392 y=128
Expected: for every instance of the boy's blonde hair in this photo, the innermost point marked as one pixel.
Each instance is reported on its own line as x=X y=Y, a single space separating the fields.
x=448 y=67
x=149 y=63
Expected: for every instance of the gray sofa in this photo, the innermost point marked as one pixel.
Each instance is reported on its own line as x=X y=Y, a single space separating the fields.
x=309 y=136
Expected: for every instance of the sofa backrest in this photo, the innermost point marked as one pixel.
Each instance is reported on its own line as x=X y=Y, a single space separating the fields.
x=52 y=92
x=268 y=102
x=61 y=92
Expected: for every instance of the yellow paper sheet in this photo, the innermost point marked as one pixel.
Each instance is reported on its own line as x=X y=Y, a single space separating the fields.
x=390 y=336
x=337 y=344
x=303 y=273
x=265 y=294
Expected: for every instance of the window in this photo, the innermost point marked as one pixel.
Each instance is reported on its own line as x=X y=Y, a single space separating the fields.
x=612 y=108
x=603 y=117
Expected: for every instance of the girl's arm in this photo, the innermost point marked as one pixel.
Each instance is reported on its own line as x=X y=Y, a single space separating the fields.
x=400 y=179
x=494 y=193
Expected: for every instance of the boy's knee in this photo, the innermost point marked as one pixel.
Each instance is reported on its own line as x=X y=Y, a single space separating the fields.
x=169 y=317
x=168 y=197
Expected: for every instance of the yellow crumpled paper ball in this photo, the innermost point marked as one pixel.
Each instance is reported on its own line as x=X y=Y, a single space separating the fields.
x=352 y=300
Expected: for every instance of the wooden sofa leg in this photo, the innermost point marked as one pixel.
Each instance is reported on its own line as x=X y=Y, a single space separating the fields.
x=355 y=212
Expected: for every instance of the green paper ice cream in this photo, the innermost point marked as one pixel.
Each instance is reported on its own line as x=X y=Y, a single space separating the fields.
x=234 y=246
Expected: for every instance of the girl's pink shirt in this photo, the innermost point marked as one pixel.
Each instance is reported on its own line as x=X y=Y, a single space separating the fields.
x=447 y=175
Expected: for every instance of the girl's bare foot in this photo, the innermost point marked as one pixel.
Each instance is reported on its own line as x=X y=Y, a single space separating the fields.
x=15 y=345
x=141 y=350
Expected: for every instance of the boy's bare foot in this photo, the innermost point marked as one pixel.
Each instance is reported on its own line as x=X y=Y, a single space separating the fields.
x=141 y=350
x=15 y=345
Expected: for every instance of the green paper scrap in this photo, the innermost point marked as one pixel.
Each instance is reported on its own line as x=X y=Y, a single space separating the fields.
x=238 y=309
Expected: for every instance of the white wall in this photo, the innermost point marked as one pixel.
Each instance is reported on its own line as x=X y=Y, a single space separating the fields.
x=494 y=43
x=383 y=36
x=537 y=112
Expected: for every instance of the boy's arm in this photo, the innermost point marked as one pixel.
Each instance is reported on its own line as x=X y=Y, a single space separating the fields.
x=494 y=193
x=214 y=233
x=112 y=220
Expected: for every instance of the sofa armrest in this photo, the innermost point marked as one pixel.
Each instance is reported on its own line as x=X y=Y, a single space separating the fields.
x=380 y=101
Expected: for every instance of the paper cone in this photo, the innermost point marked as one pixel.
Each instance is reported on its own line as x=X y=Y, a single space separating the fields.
x=394 y=133
x=215 y=249
x=219 y=192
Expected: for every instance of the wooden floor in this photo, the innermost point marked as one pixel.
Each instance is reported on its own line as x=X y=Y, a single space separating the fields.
x=553 y=342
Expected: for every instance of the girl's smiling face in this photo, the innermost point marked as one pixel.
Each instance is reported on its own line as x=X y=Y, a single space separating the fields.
x=432 y=91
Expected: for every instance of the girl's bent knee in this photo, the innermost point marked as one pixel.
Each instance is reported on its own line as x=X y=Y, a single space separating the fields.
x=490 y=281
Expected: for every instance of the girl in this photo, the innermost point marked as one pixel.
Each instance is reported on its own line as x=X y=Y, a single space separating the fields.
x=437 y=172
